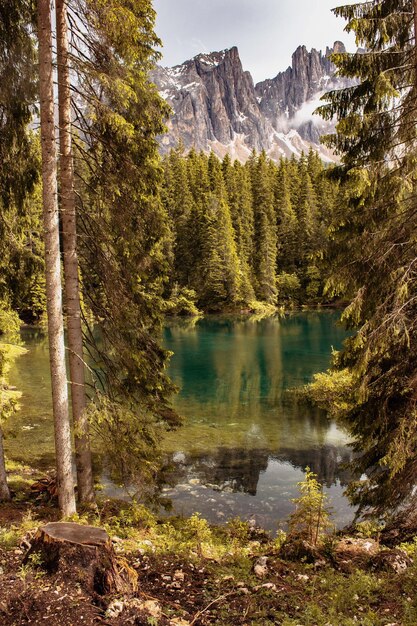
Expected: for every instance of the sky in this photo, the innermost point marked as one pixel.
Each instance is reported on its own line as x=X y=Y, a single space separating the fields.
x=266 y=31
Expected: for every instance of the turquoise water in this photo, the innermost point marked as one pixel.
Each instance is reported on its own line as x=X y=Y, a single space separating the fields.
x=245 y=440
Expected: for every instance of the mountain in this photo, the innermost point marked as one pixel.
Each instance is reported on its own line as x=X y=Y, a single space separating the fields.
x=216 y=105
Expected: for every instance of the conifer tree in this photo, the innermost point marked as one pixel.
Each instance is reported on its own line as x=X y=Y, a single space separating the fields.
x=125 y=237
x=308 y=230
x=217 y=270
x=68 y=212
x=179 y=203
x=374 y=250
x=287 y=223
x=21 y=247
x=239 y=198
x=265 y=238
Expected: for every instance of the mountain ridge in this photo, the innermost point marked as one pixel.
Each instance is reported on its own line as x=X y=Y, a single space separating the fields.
x=216 y=105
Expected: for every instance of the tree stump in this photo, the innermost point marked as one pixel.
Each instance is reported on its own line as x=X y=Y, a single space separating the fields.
x=84 y=554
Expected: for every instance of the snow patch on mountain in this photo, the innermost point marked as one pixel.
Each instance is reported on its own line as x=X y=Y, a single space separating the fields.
x=217 y=107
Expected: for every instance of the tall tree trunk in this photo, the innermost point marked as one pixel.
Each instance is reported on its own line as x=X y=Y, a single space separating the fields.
x=63 y=452
x=415 y=39
x=72 y=288
x=4 y=488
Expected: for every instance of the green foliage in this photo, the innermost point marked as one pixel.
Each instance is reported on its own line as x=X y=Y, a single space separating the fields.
x=311 y=518
x=238 y=529
x=373 y=254
x=130 y=440
x=368 y=529
x=21 y=248
x=200 y=532
x=9 y=322
x=332 y=391
x=125 y=239
x=288 y=286
x=242 y=233
x=8 y=397
x=182 y=302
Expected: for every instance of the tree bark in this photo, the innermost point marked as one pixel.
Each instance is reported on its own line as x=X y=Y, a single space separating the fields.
x=66 y=496
x=415 y=39
x=72 y=287
x=4 y=487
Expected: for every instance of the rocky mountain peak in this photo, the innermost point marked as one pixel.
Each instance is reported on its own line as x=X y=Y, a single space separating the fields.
x=216 y=105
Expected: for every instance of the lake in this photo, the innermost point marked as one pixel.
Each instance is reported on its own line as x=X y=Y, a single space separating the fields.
x=246 y=440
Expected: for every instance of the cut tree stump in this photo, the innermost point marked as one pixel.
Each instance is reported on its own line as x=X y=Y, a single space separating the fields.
x=84 y=554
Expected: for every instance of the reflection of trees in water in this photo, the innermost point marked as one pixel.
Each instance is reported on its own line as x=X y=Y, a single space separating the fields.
x=239 y=469
x=228 y=361
x=327 y=461
x=235 y=370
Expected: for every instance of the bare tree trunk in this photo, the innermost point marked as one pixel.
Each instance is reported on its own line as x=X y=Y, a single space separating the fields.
x=4 y=488
x=415 y=37
x=72 y=288
x=63 y=451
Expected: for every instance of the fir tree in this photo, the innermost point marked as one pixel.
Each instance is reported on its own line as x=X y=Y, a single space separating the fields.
x=126 y=242
x=265 y=237
x=287 y=222
x=374 y=250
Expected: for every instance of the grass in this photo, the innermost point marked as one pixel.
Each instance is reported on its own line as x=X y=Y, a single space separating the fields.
x=219 y=584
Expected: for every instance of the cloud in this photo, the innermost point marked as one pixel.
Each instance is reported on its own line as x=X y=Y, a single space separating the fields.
x=305 y=114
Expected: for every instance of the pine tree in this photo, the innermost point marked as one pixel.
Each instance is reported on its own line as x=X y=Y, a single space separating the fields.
x=265 y=237
x=239 y=198
x=125 y=238
x=309 y=239
x=21 y=247
x=179 y=203
x=287 y=222
x=374 y=250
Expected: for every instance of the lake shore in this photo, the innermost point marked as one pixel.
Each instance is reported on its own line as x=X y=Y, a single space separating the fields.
x=191 y=573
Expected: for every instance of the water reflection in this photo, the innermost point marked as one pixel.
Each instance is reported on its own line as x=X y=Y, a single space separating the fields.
x=240 y=469
x=254 y=484
x=246 y=441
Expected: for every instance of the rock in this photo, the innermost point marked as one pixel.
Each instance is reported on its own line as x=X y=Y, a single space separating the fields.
x=270 y=586
x=295 y=549
x=357 y=545
x=260 y=568
x=179 y=575
x=115 y=608
x=151 y=607
x=216 y=105
x=303 y=577
x=116 y=539
x=394 y=560
x=352 y=552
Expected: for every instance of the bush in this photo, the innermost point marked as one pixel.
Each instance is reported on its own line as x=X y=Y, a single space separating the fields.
x=288 y=286
x=182 y=302
x=311 y=519
x=332 y=391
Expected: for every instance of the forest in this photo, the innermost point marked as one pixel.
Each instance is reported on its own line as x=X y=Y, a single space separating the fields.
x=258 y=232
x=102 y=238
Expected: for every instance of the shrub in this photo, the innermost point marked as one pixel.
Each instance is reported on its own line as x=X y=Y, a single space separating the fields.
x=311 y=518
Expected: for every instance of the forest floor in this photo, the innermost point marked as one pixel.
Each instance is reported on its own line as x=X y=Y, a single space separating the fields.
x=194 y=574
